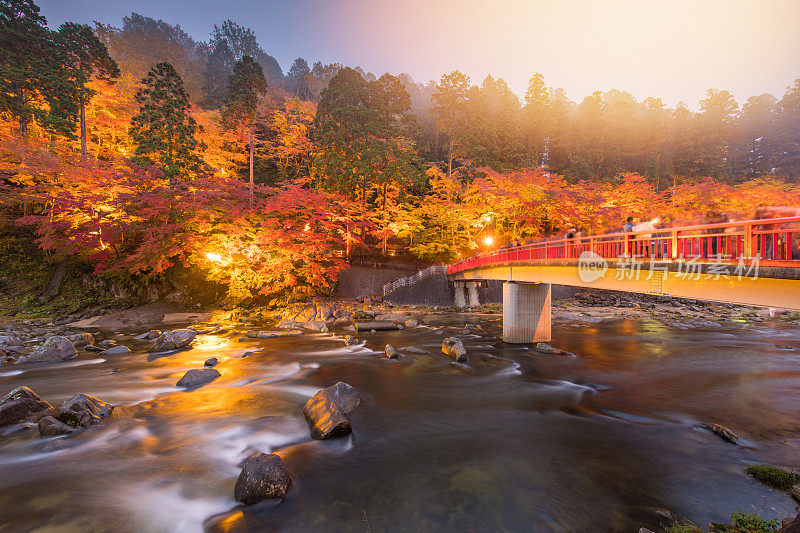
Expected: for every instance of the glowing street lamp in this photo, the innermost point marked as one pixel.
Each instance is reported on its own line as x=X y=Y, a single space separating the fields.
x=214 y=257
x=488 y=240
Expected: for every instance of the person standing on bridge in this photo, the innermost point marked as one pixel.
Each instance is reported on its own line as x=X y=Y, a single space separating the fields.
x=628 y=226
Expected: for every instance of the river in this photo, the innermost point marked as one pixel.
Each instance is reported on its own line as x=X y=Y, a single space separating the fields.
x=513 y=440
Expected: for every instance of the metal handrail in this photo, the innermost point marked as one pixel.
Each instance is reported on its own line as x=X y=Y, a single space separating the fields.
x=766 y=240
x=410 y=280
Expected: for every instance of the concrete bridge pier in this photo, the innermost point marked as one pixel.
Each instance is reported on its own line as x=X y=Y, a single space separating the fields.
x=526 y=312
x=472 y=293
x=466 y=293
x=460 y=288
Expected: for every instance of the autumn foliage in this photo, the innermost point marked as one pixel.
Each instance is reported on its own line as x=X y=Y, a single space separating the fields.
x=121 y=217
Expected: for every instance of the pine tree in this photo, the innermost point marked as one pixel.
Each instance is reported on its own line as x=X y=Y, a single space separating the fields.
x=85 y=57
x=33 y=84
x=296 y=78
x=244 y=87
x=163 y=130
x=218 y=67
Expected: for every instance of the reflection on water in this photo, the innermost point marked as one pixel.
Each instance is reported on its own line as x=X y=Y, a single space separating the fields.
x=513 y=440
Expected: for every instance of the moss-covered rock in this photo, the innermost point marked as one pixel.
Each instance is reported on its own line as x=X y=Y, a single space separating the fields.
x=774 y=477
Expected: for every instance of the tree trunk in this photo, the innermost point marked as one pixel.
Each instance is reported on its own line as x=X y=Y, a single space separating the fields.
x=23 y=121
x=83 y=129
x=55 y=281
x=450 y=158
x=251 y=158
x=169 y=159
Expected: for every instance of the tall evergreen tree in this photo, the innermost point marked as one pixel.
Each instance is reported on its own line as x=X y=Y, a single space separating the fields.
x=537 y=107
x=243 y=42
x=163 y=130
x=449 y=105
x=244 y=87
x=32 y=73
x=295 y=78
x=85 y=57
x=364 y=131
x=219 y=66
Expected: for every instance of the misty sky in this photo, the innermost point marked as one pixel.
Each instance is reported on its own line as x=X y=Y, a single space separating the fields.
x=672 y=49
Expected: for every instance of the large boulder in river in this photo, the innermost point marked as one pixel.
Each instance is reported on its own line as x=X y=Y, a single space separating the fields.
x=453 y=347
x=54 y=349
x=263 y=477
x=197 y=377
x=326 y=412
x=175 y=339
x=82 y=411
x=21 y=405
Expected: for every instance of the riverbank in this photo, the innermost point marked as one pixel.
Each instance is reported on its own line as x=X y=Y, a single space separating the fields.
x=586 y=308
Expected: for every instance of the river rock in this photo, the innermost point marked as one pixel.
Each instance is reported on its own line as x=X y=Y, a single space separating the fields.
x=391 y=353
x=790 y=525
x=350 y=341
x=197 y=377
x=392 y=317
x=116 y=350
x=543 y=347
x=20 y=405
x=325 y=312
x=174 y=340
x=81 y=339
x=272 y=334
x=326 y=412
x=52 y=427
x=413 y=349
x=106 y=344
x=411 y=322
x=9 y=340
x=370 y=326
x=453 y=347
x=723 y=432
x=150 y=335
x=211 y=361
x=315 y=325
x=263 y=476
x=82 y=411
x=54 y=349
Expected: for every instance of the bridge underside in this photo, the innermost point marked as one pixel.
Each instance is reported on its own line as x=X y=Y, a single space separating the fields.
x=780 y=291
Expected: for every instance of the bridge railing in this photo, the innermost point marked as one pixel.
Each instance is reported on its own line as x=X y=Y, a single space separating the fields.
x=771 y=242
x=410 y=280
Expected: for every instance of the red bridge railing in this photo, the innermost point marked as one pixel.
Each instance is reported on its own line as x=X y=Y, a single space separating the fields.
x=771 y=242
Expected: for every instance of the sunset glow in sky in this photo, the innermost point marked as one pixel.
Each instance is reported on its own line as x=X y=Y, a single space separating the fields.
x=674 y=49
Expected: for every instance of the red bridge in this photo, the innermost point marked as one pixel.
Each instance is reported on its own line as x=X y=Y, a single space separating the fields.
x=754 y=262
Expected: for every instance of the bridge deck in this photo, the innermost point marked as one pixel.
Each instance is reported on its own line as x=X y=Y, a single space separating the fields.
x=754 y=262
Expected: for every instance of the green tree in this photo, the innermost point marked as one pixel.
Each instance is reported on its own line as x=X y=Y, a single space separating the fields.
x=715 y=122
x=449 y=105
x=537 y=118
x=241 y=103
x=243 y=42
x=33 y=84
x=163 y=130
x=788 y=131
x=364 y=132
x=85 y=57
x=297 y=79
x=219 y=66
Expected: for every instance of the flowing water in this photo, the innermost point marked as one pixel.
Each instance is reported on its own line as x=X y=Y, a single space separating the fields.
x=513 y=440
